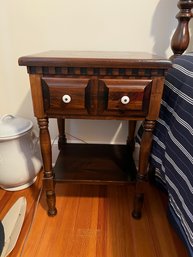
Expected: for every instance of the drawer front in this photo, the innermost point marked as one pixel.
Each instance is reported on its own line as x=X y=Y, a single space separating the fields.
x=126 y=97
x=64 y=96
x=73 y=97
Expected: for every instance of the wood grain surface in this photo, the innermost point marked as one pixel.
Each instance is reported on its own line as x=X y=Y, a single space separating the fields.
x=94 y=221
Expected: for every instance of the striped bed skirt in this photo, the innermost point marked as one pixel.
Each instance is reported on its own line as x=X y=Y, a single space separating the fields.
x=172 y=149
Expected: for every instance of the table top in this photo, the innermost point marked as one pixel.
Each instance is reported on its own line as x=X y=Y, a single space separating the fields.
x=95 y=59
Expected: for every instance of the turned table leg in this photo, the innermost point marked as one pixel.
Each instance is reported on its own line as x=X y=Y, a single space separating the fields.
x=62 y=137
x=144 y=153
x=131 y=134
x=48 y=180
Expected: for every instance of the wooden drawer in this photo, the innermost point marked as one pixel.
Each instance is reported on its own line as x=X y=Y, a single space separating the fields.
x=72 y=97
x=64 y=95
x=126 y=97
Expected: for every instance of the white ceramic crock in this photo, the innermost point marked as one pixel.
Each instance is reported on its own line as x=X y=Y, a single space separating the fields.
x=20 y=159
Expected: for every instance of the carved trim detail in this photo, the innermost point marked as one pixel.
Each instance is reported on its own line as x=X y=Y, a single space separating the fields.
x=149 y=125
x=88 y=71
x=43 y=123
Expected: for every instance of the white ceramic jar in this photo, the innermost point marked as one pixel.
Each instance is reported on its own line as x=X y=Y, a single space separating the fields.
x=20 y=158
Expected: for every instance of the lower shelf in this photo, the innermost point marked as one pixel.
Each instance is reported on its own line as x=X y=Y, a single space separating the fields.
x=95 y=163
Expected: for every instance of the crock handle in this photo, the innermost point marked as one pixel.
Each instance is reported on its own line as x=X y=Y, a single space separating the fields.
x=5 y=116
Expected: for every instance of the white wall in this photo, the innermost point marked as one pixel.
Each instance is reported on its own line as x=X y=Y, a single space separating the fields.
x=28 y=27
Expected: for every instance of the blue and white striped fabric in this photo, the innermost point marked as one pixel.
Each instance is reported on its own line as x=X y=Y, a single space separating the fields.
x=172 y=150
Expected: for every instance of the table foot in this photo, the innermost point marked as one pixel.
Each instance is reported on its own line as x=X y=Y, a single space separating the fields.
x=138 y=204
x=52 y=213
x=136 y=215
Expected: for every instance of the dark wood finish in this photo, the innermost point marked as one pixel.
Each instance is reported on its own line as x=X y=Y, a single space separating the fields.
x=181 y=37
x=138 y=92
x=62 y=140
x=95 y=85
x=47 y=165
x=97 y=98
x=145 y=149
x=131 y=134
x=93 y=62
x=95 y=164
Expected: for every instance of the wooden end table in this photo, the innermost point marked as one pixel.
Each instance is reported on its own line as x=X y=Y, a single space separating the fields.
x=102 y=86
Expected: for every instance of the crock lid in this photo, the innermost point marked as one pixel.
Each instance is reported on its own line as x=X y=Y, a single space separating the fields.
x=11 y=126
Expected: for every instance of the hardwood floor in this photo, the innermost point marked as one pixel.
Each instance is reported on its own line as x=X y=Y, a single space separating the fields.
x=94 y=221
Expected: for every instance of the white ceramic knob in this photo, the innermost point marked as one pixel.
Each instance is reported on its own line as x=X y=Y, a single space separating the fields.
x=66 y=99
x=125 y=99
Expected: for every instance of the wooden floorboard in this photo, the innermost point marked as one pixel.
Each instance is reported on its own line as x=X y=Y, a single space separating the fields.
x=94 y=221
